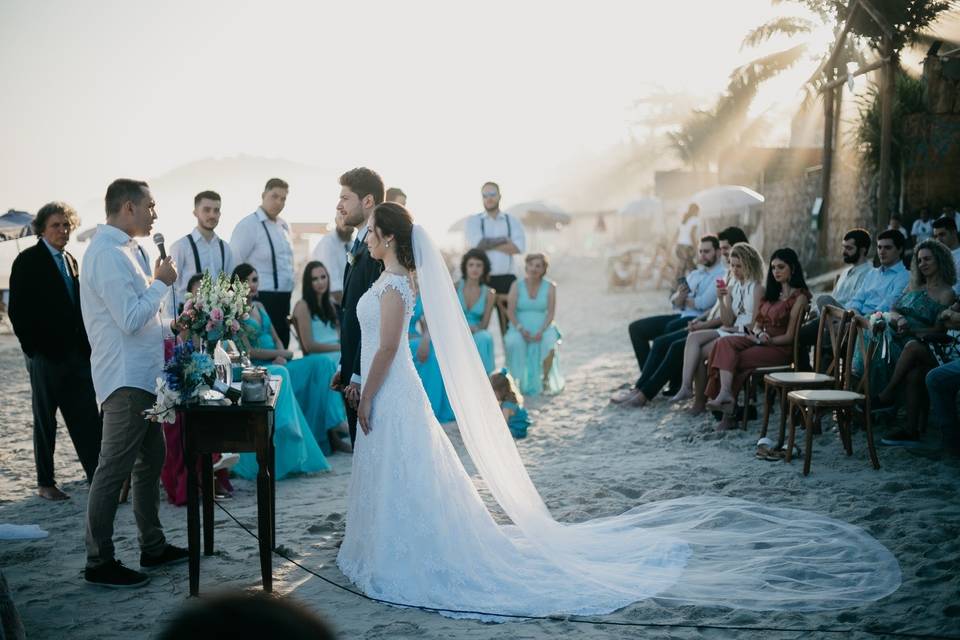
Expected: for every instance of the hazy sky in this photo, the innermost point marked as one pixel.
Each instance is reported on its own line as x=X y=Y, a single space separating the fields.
x=437 y=96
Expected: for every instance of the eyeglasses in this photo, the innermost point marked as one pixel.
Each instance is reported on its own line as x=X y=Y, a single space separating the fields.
x=490 y=194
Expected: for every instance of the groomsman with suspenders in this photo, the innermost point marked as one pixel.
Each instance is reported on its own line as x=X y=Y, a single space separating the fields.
x=201 y=250
x=263 y=241
x=501 y=236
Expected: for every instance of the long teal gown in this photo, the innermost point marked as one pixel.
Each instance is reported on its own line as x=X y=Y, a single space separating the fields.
x=296 y=447
x=322 y=406
x=482 y=338
x=921 y=312
x=429 y=371
x=525 y=360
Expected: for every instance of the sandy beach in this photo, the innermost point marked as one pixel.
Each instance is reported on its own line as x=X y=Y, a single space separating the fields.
x=586 y=457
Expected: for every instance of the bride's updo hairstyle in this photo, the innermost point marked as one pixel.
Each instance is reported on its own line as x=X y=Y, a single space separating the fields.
x=392 y=219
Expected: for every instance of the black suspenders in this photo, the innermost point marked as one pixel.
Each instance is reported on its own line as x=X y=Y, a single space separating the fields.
x=483 y=226
x=196 y=255
x=273 y=256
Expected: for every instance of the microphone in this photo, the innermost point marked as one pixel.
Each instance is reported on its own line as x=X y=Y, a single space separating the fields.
x=158 y=240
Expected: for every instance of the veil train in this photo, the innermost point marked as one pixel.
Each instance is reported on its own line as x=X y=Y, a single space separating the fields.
x=701 y=550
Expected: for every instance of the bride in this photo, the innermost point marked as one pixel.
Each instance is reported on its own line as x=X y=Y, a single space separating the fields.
x=419 y=533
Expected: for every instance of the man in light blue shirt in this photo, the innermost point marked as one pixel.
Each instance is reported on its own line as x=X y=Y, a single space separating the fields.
x=885 y=284
x=695 y=295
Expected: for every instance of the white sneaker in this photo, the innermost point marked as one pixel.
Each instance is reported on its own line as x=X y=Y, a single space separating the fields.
x=226 y=461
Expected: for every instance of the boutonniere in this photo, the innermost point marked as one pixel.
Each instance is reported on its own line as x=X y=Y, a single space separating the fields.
x=351 y=258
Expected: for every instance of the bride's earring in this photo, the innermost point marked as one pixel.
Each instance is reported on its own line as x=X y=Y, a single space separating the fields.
x=388 y=244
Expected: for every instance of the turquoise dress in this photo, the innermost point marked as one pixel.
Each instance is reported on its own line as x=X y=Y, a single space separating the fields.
x=295 y=444
x=429 y=371
x=482 y=338
x=519 y=421
x=525 y=360
x=921 y=312
x=311 y=384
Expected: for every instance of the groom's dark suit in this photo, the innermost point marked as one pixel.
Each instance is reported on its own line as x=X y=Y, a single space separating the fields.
x=357 y=278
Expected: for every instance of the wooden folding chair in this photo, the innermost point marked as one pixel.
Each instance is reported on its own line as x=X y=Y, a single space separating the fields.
x=852 y=396
x=750 y=388
x=833 y=325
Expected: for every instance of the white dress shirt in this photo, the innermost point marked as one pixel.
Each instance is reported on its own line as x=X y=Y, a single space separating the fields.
x=250 y=245
x=483 y=225
x=210 y=260
x=922 y=230
x=120 y=305
x=332 y=252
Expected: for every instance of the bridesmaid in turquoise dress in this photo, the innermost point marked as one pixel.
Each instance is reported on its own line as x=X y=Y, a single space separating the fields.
x=296 y=448
x=315 y=324
x=425 y=361
x=533 y=339
x=474 y=269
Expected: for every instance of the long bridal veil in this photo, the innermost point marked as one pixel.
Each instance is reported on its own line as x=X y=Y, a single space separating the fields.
x=702 y=550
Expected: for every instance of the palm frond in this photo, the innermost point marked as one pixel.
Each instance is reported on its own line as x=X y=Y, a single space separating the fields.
x=787 y=26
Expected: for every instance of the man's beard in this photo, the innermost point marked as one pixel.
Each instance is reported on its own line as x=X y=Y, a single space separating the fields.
x=495 y=207
x=850 y=259
x=344 y=234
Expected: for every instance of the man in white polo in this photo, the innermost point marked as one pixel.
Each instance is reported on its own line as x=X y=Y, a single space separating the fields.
x=263 y=241
x=501 y=236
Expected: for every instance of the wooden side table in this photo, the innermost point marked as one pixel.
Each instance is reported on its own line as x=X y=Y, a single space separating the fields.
x=214 y=428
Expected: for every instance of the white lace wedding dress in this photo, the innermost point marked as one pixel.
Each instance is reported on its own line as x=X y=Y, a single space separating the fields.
x=418 y=532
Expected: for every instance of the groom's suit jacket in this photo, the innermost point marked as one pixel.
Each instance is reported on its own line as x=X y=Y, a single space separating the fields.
x=357 y=278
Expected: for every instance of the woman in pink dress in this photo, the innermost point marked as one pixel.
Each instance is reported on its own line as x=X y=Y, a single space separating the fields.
x=770 y=342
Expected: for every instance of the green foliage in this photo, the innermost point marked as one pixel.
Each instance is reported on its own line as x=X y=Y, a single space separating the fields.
x=787 y=26
x=908 y=99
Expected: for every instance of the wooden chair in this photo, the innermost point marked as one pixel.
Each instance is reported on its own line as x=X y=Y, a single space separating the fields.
x=810 y=404
x=833 y=325
x=750 y=387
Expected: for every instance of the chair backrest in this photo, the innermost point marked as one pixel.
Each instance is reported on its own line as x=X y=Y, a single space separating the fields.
x=832 y=327
x=860 y=338
x=796 y=334
x=296 y=329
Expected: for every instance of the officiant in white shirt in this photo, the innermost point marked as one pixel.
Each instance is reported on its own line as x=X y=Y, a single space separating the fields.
x=263 y=241
x=202 y=251
x=121 y=313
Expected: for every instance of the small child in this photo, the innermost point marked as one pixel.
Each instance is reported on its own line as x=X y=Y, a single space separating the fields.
x=511 y=403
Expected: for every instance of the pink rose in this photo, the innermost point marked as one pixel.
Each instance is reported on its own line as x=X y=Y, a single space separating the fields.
x=217 y=315
x=210 y=325
x=234 y=326
x=188 y=305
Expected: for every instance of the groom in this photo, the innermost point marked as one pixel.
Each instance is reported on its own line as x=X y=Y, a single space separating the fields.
x=361 y=190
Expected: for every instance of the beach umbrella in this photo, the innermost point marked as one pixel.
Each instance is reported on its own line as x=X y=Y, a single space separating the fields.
x=14 y=224
x=725 y=199
x=539 y=214
x=459 y=225
x=642 y=208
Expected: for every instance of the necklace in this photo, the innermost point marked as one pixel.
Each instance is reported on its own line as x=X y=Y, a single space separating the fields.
x=397 y=273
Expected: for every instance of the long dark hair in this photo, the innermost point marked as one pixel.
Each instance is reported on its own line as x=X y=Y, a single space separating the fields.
x=242 y=271
x=319 y=307
x=392 y=219
x=788 y=255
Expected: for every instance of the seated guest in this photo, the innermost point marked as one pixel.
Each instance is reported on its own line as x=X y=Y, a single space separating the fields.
x=770 y=341
x=477 y=301
x=173 y=476
x=695 y=297
x=896 y=224
x=883 y=285
x=46 y=316
x=319 y=335
x=511 y=403
x=533 y=339
x=906 y=359
x=945 y=230
x=739 y=301
x=856 y=251
x=943 y=384
x=296 y=447
x=923 y=226
x=426 y=363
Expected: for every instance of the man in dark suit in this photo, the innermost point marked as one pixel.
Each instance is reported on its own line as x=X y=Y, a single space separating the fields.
x=45 y=312
x=361 y=190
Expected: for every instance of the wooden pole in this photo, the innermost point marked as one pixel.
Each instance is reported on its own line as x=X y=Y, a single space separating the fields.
x=887 y=89
x=826 y=172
